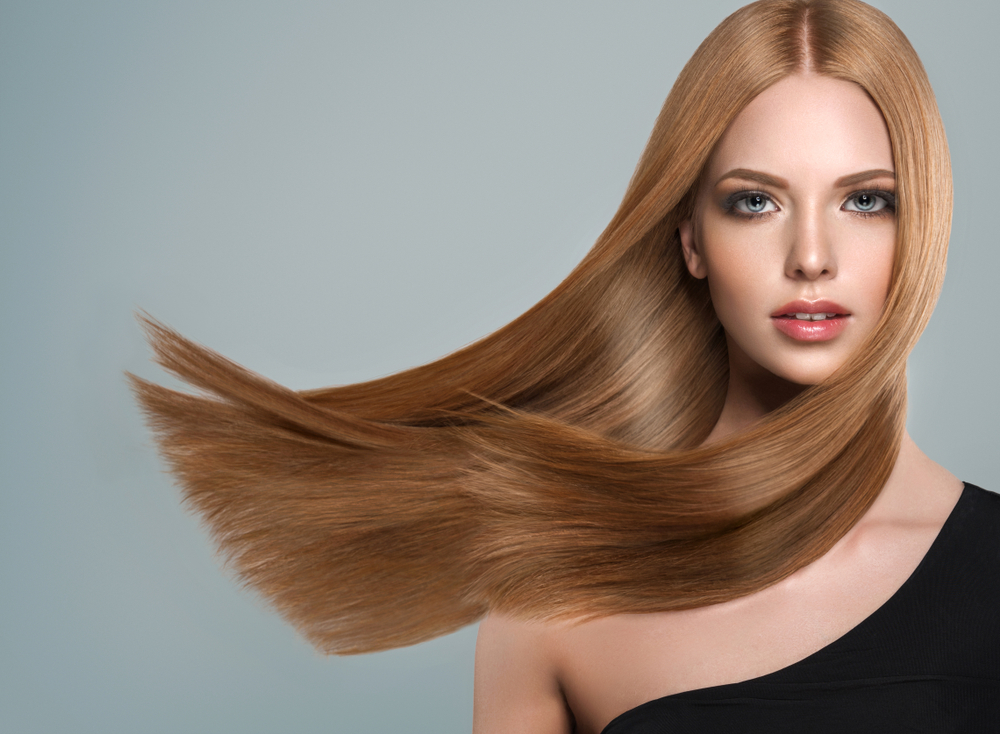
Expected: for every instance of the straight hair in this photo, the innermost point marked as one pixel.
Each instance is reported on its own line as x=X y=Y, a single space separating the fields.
x=554 y=469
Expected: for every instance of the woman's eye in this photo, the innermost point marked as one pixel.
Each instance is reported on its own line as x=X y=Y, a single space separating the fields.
x=868 y=202
x=754 y=204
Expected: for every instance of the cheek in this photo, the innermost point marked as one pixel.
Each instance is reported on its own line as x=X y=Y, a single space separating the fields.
x=887 y=261
x=873 y=263
x=731 y=294
x=740 y=291
x=741 y=273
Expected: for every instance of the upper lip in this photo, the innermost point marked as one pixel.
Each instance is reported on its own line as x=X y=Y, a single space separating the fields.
x=820 y=306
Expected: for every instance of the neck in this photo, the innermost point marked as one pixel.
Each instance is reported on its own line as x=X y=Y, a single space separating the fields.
x=753 y=392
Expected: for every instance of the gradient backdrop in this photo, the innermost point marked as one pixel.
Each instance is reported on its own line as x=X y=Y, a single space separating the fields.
x=328 y=192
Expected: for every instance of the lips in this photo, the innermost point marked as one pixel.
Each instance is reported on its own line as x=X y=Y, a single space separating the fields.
x=811 y=321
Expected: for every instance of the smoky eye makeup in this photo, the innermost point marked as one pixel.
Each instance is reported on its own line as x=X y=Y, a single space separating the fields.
x=748 y=203
x=871 y=202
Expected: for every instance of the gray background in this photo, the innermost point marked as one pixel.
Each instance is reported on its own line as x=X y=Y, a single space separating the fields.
x=329 y=192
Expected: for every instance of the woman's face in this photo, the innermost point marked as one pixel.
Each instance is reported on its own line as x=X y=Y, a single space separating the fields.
x=794 y=228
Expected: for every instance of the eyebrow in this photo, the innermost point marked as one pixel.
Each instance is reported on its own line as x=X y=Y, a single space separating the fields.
x=747 y=174
x=856 y=178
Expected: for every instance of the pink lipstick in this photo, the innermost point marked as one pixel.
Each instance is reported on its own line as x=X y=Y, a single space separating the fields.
x=811 y=321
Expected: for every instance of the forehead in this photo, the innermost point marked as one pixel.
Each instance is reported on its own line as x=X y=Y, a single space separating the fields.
x=809 y=126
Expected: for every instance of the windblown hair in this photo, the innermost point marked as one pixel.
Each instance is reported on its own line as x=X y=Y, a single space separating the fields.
x=554 y=469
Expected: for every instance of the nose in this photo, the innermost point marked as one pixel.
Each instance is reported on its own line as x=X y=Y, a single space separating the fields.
x=810 y=254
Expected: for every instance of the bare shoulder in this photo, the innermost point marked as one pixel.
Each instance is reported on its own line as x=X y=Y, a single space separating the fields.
x=517 y=686
x=530 y=676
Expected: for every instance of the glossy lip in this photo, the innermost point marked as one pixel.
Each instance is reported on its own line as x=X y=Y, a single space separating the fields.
x=820 y=306
x=810 y=331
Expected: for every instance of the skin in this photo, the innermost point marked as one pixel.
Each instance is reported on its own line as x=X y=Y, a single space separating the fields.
x=811 y=241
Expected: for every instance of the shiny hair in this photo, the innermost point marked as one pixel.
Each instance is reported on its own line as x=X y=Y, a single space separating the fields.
x=554 y=469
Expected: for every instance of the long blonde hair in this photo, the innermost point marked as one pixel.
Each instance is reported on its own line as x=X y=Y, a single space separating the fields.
x=554 y=468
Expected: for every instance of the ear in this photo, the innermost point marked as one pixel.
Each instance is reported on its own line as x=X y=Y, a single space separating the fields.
x=695 y=262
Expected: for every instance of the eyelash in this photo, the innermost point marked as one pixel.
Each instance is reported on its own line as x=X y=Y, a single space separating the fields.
x=737 y=196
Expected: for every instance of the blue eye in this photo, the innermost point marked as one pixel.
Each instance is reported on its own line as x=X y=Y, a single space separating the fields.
x=752 y=203
x=866 y=202
x=870 y=202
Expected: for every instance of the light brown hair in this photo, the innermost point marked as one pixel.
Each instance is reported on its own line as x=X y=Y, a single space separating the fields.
x=554 y=468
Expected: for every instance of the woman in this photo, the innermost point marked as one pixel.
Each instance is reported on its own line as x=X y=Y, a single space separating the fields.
x=664 y=433
x=794 y=215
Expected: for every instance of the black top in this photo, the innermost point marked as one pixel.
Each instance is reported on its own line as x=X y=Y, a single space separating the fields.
x=928 y=660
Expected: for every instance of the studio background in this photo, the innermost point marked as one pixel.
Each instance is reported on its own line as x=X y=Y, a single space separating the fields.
x=328 y=193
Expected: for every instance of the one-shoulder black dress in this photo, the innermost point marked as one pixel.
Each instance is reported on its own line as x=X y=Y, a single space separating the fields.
x=928 y=660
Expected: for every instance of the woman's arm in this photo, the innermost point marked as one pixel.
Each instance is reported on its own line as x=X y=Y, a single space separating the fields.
x=517 y=689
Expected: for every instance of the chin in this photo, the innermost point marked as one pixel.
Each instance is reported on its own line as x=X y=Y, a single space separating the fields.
x=805 y=377
x=767 y=363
